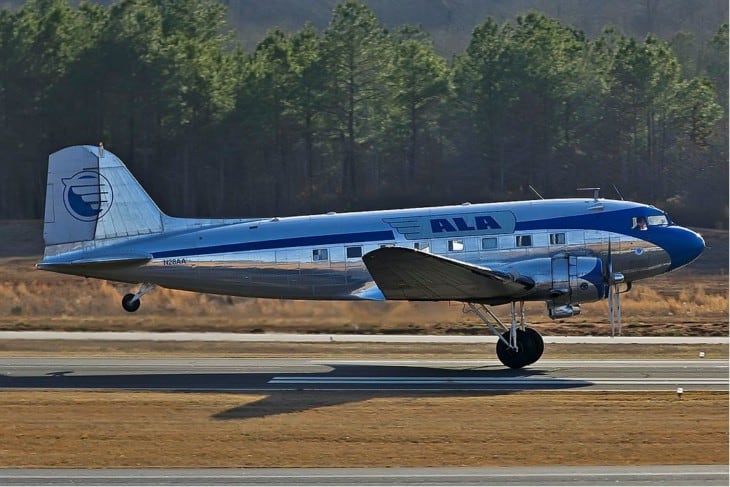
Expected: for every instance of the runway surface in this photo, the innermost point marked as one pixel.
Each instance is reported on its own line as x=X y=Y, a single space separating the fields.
x=338 y=338
x=241 y=375
x=375 y=377
x=644 y=475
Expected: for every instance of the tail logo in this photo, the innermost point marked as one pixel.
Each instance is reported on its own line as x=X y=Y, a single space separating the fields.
x=87 y=195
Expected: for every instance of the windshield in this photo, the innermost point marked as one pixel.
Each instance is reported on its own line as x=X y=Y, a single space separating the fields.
x=657 y=220
x=644 y=222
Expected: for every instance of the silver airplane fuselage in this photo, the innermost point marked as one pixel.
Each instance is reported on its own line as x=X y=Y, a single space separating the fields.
x=559 y=243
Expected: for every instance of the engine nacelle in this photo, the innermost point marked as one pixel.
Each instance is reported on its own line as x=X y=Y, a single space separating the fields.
x=565 y=311
x=562 y=280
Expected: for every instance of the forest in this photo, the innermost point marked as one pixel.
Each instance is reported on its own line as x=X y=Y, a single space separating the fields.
x=359 y=116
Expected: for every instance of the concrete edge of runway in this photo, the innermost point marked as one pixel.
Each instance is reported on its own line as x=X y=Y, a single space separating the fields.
x=551 y=475
x=336 y=338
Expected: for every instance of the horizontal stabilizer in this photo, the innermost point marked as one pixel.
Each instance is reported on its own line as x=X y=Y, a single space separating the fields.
x=110 y=261
x=407 y=274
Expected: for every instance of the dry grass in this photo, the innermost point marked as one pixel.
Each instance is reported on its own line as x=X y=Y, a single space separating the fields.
x=115 y=429
x=30 y=299
x=691 y=301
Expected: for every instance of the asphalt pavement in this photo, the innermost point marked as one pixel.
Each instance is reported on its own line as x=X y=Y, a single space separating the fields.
x=238 y=375
x=510 y=476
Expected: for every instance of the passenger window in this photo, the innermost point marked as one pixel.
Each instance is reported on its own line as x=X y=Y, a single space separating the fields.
x=354 y=252
x=557 y=239
x=523 y=241
x=638 y=223
x=422 y=246
x=489 y=243
x=456 y=245
x=320 y=255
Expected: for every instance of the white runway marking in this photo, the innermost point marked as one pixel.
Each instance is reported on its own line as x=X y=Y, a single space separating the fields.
x=268 y=374
x=489 y=381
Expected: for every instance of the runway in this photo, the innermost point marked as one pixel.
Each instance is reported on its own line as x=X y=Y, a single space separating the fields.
x=122 y=336
x=374 y=378
x=261 y=375
x=644 y=475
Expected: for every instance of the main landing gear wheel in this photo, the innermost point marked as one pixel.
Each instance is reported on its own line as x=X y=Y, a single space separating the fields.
x=529 y=349
x=130 y=304
x=528 y=345
x=533 y=335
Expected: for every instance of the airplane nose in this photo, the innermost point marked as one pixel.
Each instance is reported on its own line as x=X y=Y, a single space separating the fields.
x=686 y=247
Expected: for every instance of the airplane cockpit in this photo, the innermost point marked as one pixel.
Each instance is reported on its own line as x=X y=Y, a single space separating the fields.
x=643 y=223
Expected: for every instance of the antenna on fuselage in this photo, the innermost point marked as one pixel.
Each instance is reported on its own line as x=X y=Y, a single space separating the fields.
x=535 y=191
x=618 y=192
x=595 y=192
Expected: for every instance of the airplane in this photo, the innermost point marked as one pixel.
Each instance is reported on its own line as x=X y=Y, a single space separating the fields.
x=100 y=223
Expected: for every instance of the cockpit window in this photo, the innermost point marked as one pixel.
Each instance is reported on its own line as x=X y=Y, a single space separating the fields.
x=658 y=220
x=644 y=222
x=639 y=223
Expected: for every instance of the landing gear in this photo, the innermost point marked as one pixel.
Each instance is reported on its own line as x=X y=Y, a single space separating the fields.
x=518 y=345
x=536 y=339
x=131 y=302
x=529 y=349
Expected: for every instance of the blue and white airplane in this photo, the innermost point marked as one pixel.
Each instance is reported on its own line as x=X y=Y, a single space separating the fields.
x=100 y=223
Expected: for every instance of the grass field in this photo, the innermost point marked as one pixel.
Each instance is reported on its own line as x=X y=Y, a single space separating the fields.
x=297 y=429
x=691 y=301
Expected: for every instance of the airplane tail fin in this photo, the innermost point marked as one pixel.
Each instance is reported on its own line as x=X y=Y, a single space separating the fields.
x=91 y=195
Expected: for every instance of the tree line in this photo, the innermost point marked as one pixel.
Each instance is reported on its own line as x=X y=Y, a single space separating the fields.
x=358 y=116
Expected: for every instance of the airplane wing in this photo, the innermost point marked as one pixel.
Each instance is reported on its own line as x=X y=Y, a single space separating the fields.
x=408 y=274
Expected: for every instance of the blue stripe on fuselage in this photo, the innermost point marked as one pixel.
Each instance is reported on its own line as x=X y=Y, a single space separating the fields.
x=312 y=241
x=618 y=221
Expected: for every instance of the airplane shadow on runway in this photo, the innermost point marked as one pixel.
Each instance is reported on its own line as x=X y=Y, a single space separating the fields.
x=356 y=383
x=284 y=402
x=289 y=392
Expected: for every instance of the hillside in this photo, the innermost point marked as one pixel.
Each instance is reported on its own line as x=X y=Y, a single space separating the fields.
x=450 y=22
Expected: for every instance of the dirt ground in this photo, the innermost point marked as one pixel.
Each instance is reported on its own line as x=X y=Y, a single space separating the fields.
x=297 y=429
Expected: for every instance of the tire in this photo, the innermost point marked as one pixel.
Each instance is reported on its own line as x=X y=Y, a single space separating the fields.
x=129 y=305
x=538 y=344
x=517 y=360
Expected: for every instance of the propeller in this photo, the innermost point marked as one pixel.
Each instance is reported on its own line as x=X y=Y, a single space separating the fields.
x=613 y=281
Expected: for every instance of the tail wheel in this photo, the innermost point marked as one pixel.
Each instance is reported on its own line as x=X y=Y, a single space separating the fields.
x=130 y=304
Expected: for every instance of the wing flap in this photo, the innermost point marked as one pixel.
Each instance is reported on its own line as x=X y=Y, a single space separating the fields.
x=408 y=274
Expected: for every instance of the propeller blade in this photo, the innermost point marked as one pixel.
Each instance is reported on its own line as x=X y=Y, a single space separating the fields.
x=610 y=286
x=611 y=310
x=613 y=282
x=617 y=292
